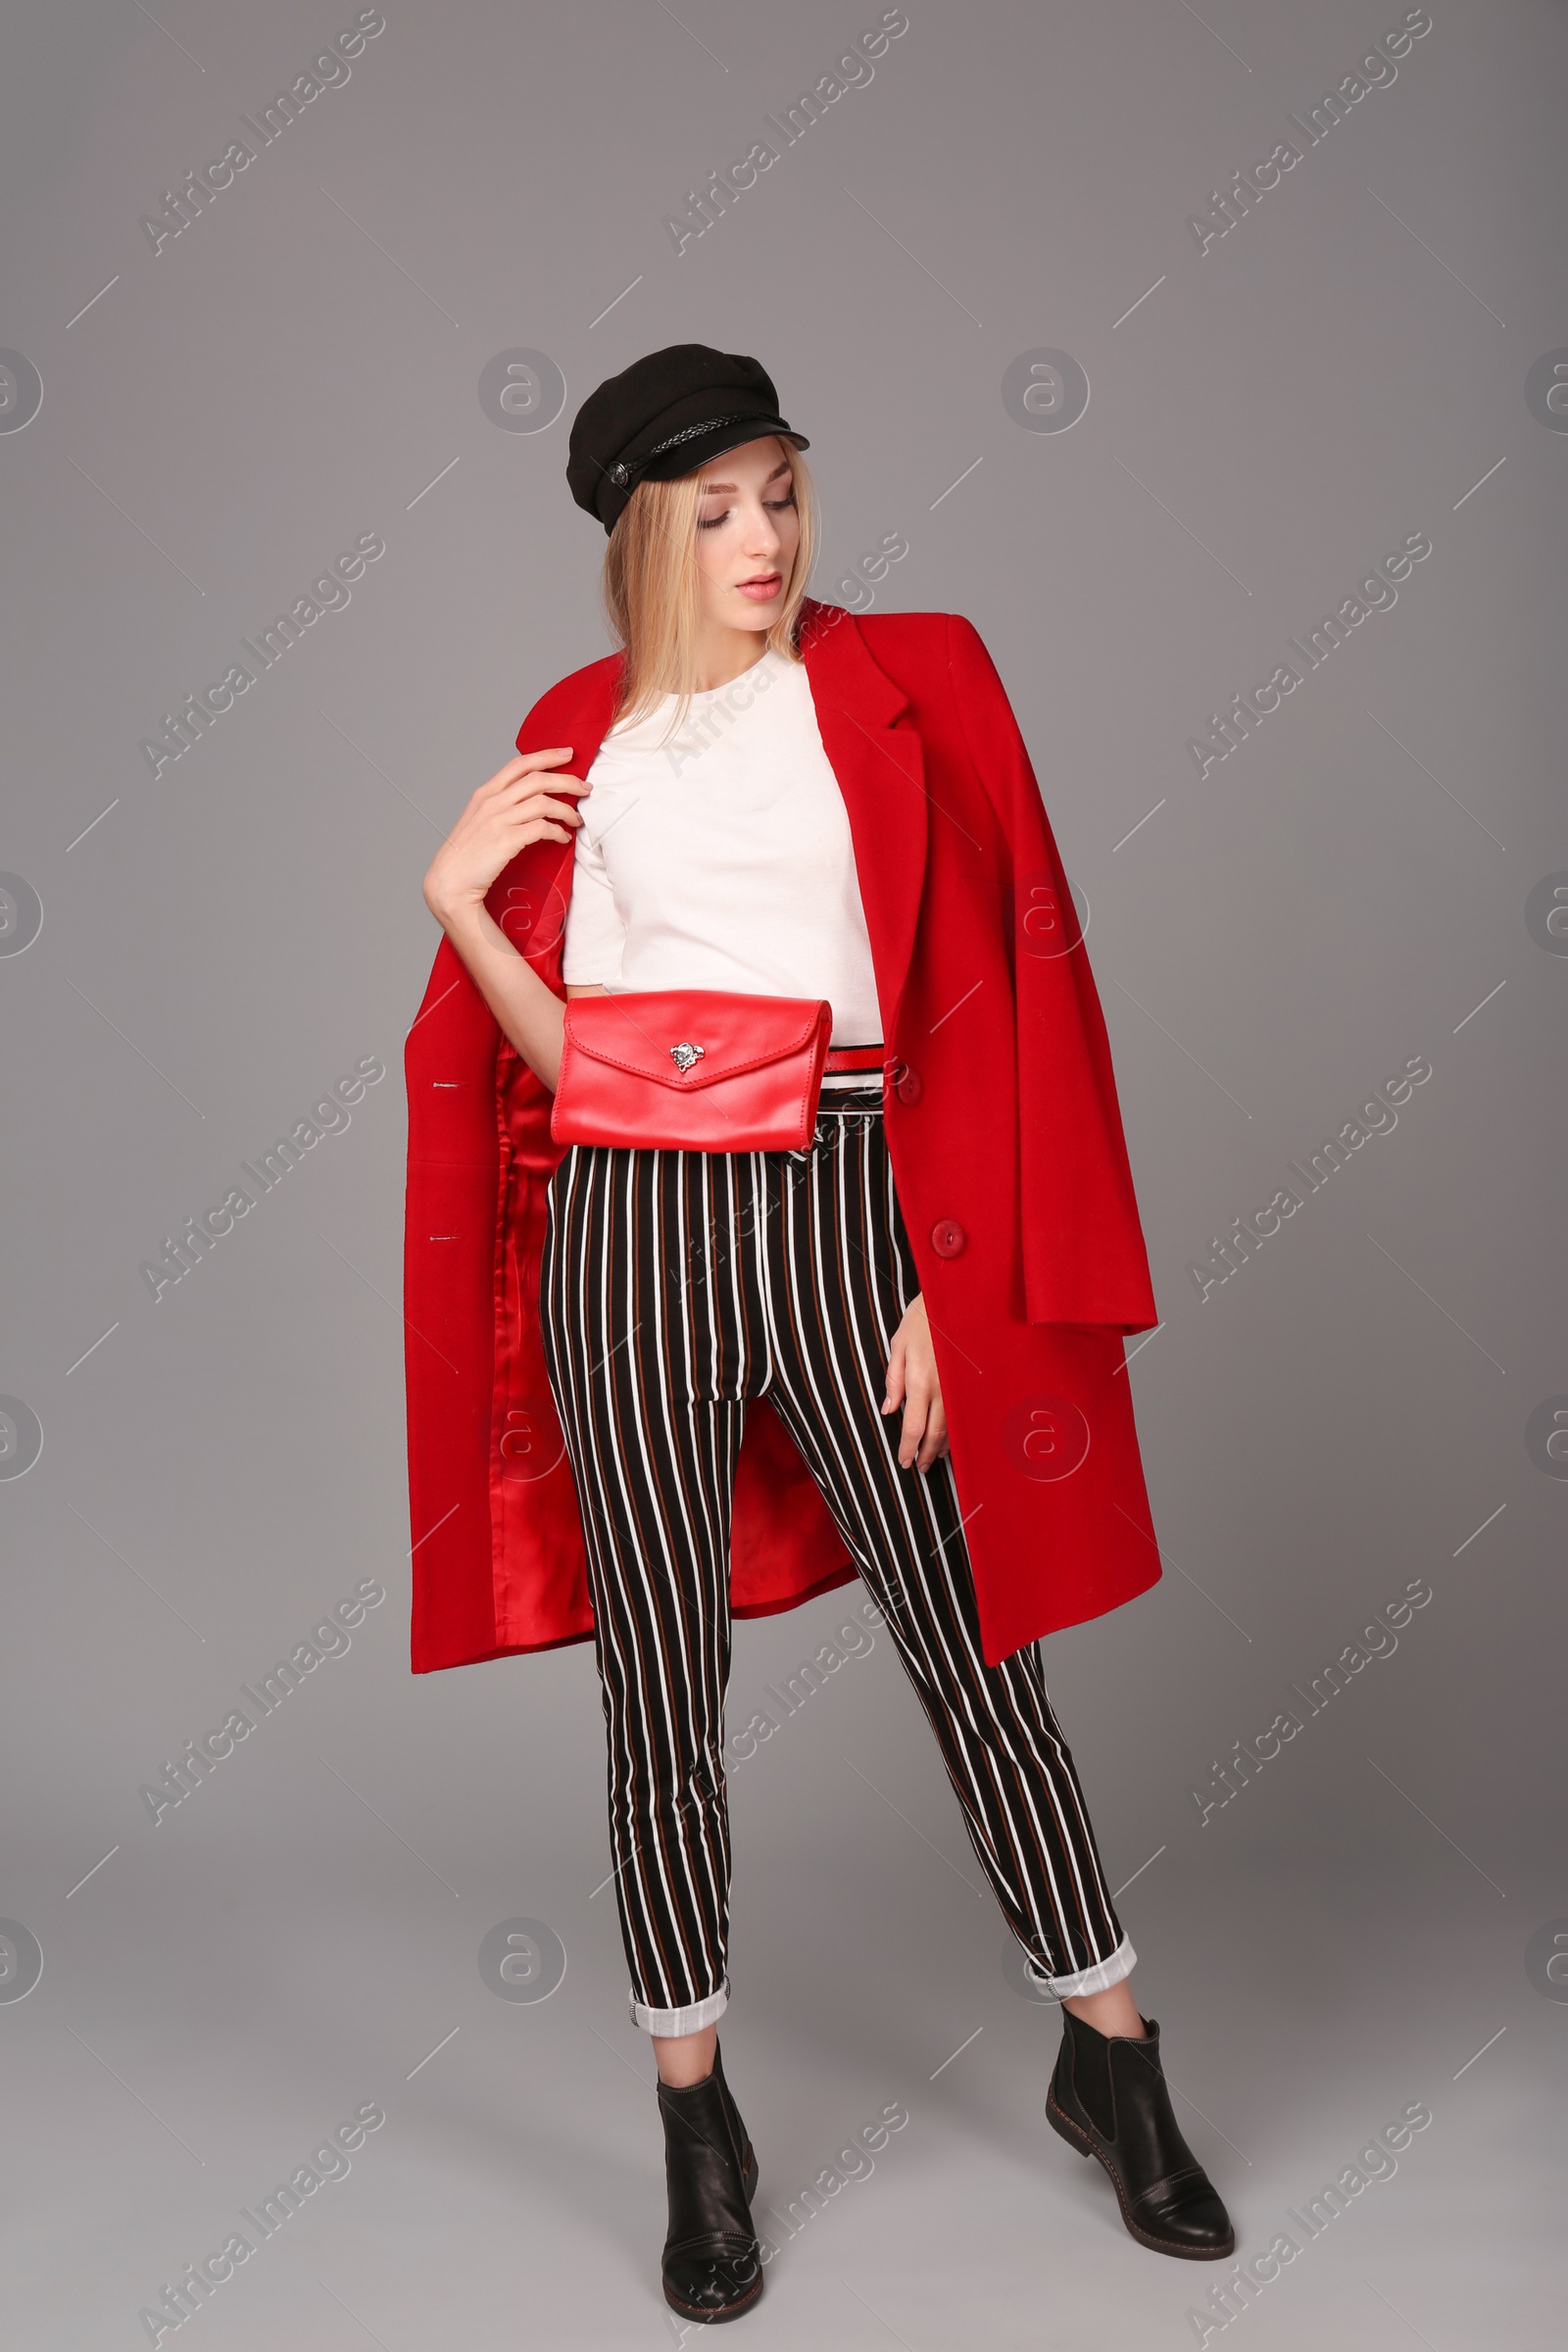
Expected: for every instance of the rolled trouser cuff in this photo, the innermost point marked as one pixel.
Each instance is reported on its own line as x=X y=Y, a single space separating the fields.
x=1099 y=1979
x=690 y=2020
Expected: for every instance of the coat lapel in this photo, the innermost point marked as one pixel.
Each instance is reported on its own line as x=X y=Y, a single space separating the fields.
x=530 y=897
x=880 y=767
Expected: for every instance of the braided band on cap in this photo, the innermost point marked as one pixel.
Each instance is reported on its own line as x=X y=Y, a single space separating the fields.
x=621 y=474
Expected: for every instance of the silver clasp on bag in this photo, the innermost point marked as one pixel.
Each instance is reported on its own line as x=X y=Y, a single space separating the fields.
x=684 y=1054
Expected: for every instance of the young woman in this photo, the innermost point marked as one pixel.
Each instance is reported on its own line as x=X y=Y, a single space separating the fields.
x=652 y=1388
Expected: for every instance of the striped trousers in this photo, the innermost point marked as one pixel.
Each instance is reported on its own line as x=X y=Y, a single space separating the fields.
x=676 y=1289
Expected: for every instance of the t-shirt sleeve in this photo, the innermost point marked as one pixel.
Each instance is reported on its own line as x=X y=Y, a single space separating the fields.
x=594 y=932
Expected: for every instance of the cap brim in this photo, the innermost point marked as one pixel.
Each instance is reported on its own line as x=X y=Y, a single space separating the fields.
x=697 y=452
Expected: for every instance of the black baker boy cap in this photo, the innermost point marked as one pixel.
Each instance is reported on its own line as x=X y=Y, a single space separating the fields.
x=665 y=414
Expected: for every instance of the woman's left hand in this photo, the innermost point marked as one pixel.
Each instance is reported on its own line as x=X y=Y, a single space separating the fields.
x=912 y=1383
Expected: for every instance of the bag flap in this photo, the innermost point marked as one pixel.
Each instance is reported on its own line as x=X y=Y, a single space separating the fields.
x=686 y=1039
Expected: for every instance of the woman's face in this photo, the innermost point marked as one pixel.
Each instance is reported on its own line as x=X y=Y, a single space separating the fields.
x=748 y=529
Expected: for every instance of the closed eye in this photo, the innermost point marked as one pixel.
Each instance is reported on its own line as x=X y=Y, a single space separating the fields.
x=711 y=523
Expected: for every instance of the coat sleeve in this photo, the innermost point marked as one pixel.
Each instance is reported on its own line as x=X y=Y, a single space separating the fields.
x=1084 y=1254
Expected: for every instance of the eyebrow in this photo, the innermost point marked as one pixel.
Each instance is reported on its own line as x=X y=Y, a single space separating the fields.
x=729 y=488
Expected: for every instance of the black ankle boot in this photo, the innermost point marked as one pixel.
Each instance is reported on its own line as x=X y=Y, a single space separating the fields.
x=1108 y=2098
x=712 y=2264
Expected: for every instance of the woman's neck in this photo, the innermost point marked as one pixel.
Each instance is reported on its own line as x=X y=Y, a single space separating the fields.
x=724 y=655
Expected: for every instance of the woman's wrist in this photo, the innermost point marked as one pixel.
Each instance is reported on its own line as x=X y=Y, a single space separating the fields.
x=453 y=909
x=473 y=929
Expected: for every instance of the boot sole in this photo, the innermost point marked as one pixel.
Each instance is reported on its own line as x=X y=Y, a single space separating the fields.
x=743 y=2303
x=1085 y=2146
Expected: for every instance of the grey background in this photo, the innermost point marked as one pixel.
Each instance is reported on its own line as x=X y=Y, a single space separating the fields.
x=1340 y=1417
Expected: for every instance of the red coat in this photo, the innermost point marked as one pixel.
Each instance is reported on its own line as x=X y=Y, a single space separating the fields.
x=1008 y=1155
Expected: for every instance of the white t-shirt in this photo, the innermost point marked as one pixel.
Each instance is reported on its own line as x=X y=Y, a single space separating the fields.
x=721 y=858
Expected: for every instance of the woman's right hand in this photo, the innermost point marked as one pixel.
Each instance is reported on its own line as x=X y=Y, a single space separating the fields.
x=517 y=805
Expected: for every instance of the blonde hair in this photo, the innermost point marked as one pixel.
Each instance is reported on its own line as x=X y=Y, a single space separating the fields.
x=649 y=588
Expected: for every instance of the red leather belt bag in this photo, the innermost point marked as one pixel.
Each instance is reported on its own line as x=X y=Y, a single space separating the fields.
x=692 y=1069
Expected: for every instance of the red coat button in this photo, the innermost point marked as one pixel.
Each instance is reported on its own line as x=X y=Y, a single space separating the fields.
x=947 y=1238
x=909 y=1084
